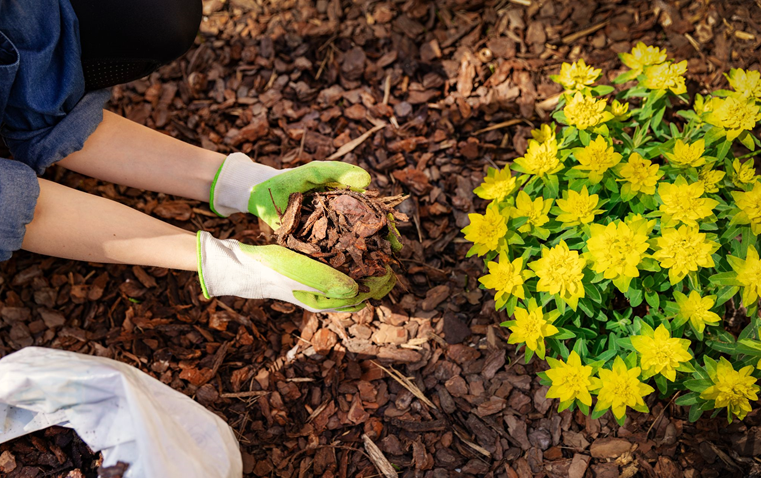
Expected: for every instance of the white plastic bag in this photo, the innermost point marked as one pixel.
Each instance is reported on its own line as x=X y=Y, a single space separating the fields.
x=117 y=409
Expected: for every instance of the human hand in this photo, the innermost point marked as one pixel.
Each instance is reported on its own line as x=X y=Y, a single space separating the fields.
x=244 y=186
x=273 y=272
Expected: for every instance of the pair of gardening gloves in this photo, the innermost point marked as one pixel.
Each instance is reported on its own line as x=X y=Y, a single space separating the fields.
x=228 y=267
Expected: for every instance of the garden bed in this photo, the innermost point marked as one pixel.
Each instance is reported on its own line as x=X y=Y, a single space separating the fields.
x=457 y=88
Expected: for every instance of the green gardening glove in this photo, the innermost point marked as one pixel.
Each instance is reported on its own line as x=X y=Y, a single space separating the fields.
x=273 y=272
x=244 y=186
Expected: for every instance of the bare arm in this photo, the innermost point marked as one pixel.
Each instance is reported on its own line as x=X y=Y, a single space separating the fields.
x=75 y=225
x=123 y=152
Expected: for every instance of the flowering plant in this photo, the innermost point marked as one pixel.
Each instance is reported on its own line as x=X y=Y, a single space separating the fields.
x=625 y=243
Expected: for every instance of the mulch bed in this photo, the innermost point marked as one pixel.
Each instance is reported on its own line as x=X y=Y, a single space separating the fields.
x=56 y=453
x=445 y=89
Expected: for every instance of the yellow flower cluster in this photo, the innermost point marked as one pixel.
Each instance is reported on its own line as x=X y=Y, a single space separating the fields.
x=578 y=207
x=531 y=326
x=485 y=231
x=596 y=158
x=732 y=389
x=560 y=271
x=616 y=250
x=640 y=175
x=541 y=158
x=750 y=208
x=696 y=310
x=682 y=202
x=687 y=155
x=666 y=76
x=573 y=218
x=585 y=111
x=576 y=76
x=748 y=275
x=642 y=56
x=683 y=250
x=660 y=353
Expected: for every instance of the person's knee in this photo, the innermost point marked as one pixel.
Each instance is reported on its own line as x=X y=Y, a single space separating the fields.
x=181 y=29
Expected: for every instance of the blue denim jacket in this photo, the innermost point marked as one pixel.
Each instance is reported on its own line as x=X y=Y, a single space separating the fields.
x=45 y=114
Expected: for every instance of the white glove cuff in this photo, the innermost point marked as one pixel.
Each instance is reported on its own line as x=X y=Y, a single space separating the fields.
x=224 y=269
x=231 y=189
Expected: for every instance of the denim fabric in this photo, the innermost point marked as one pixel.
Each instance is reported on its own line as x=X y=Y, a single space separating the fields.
x=18 y=195
x=44 y=112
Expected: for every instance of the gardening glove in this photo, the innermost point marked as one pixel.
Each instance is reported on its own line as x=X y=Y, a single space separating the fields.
x=274 y=272
x=242 y=185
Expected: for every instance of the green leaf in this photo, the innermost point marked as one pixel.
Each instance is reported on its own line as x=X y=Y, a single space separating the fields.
x=653 y=299
x=688 y=399
x=552 y=186
x=564 y=334
x=662 y=384
x=726 y=293
x=597 y=413
x=697 y=385
x=593 y=292
x=725 y=278
x=584 y=137
x=602 y=90
x=723 y=150
x=695 y=413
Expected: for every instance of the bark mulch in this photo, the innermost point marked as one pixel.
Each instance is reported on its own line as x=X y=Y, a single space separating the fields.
x=425 y=96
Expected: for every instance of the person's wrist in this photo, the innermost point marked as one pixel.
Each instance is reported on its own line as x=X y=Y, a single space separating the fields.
x=231 y=188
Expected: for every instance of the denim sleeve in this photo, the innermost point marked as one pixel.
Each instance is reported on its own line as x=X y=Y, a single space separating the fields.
x=39 y=148
x=18 y=196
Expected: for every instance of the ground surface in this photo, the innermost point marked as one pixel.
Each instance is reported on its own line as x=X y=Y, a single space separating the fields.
x=295 y=82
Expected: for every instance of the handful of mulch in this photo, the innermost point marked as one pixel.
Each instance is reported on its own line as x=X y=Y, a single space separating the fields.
x=55 y=452
x=352 y=232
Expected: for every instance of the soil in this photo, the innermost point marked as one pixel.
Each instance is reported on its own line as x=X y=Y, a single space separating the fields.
x=425 y=96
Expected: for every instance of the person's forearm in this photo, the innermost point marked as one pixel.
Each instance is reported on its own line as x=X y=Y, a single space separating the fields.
x=71 y=224
x=123 y=152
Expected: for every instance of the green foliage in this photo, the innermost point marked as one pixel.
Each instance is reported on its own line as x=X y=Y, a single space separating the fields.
x=638 y=230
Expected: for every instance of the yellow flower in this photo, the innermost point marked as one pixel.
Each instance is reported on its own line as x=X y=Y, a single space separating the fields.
x=748 y=274
x=536 y=211
x=683 y=250
x=747 y=84
x=531 y=327
x=710 y=179
x=660 y=353
x=497 y=185
x=696 y=310
x=666 y=76
x=570 y=380
x=560 y=271
x=616 y=250
x=642 y=56
x=619 y=111
x=731 y=389
x=640 y=174
x=578 y=208
x=750 y=208
x=576 y=76
x=734 y=115
x=485 y=231
x=682 y=202
x=506 y=278
x=541 y=158
x=596 y=158
x=585 y=111
x=745 y=173
x=621 y=388
x=544 y=134
x=687 y=155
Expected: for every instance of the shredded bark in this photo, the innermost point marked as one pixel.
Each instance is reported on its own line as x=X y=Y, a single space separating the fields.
x=350 y=231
